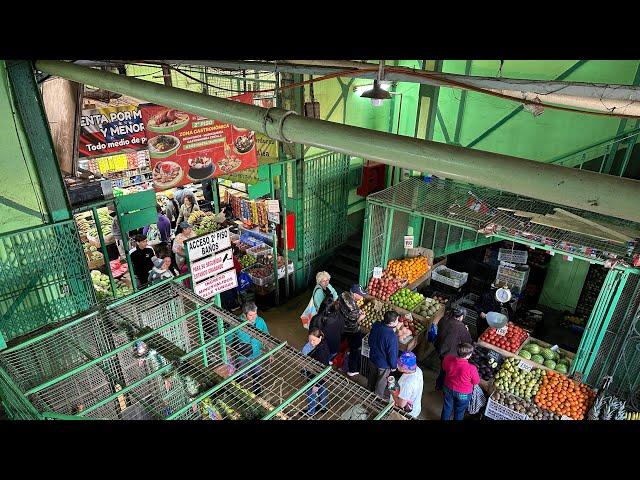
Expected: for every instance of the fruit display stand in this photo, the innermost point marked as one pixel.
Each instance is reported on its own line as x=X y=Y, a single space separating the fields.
x=560 y=354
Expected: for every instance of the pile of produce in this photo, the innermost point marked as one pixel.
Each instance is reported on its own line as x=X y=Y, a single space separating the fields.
x=485 y=362
x=405 y=298
x=105 y=222
x=409 y=268
x=415 y=326
x=525 y=384
x=543 y=355
x=203 y=222
x=247 y=260
x=563 y=396
x=261 y=271
x=92 y=252
x=372 y=314
x=608 y=408
x=510 y=342
x=384 y=287
x=440 y=299
x=523 y=406
x=427 y=308
x=632 y=416
x=243 y=247
x=84 y=225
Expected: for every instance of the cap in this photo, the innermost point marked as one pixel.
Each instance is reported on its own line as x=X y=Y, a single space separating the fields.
x=355 y=288
x=184 y=225
x=169 y=195
x=407 y=361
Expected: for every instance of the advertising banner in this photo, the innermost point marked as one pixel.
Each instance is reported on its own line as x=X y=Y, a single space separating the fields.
x=110 y=130
x=186 y=148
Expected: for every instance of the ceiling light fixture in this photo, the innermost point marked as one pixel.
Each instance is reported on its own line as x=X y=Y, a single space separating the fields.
x=376 y=93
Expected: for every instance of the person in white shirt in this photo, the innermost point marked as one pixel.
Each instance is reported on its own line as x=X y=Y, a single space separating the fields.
x=409 y=395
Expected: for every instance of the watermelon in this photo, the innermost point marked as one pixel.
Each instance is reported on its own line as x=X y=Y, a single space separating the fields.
x=561 y=368
x=548 y=354
x=550 y=364
x=537 y=358
x=525 y=354
x=533 y=348
x=565 y=360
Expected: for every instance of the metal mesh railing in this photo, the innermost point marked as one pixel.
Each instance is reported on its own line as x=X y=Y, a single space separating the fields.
x=43 y=278
x=161 y=355
x=446 y=201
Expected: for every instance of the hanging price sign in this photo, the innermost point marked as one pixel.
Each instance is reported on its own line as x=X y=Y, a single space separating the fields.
x=502 y=331
x=377 y=272
x=525 y=366
x=408 y=242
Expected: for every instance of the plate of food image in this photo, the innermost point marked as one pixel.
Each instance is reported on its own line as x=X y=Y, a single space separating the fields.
x=229 y=164
x=163 y=146
x=200 y=168
x=167 y=174
x=167 y=121
x=243 y=144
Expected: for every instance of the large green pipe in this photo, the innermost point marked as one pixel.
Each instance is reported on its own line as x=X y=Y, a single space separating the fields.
x=605 y=194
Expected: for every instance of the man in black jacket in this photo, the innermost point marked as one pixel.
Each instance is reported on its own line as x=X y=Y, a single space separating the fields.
x=142 y=259
x=451 y=333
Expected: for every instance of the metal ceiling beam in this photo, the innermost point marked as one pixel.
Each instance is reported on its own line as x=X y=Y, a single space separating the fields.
x=581 y=189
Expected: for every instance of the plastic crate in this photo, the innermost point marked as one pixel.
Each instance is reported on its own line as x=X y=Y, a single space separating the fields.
x=259 y=281
x=516 y=277
x=459 y=278
x=260 y=250
x=512 y=256
x=497 y=411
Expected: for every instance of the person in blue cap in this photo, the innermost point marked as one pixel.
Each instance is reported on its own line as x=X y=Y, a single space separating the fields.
x=409 y=395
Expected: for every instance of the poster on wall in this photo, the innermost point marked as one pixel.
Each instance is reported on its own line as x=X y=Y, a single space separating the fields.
x=109 y=130
x=186 y=148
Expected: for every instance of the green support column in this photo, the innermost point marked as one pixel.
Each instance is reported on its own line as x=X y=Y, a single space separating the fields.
x=366 y=238
x=389 y=214
x=103 y=246
x=30 y=109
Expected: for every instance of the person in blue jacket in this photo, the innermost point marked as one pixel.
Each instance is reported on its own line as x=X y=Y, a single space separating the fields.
x=383 y=352
x=248 y=347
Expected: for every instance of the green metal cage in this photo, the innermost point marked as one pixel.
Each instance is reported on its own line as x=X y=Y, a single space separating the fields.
x=92 y=368
x=436 y=212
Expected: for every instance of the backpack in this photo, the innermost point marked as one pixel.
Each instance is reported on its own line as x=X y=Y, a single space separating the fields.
x=153 y=234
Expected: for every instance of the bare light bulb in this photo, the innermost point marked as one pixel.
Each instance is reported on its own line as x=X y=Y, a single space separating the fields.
x=376 y=102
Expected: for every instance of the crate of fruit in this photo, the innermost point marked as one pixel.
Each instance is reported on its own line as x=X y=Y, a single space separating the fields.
x=497 y=411
x=546 y=355
x=260 y=250
x=515 y=277
x=512 y=256
x=261 y=275
x=449 y=277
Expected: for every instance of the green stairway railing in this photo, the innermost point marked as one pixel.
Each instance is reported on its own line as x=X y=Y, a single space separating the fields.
x=602 y=154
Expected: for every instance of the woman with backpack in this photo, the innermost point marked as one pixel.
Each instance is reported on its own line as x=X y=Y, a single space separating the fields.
x=323 y=289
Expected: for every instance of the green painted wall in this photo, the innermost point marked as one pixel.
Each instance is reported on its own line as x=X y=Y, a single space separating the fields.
x=563 y=284
x=21 y=201
x=552 y=134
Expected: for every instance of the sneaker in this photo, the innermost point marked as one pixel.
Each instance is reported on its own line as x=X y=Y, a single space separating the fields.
x=353 y=374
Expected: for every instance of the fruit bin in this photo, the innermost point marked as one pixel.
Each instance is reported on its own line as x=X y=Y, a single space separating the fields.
x=516 y=277
x=449 y=277
x=259 y=281
x=497 y=411
x=530 y=340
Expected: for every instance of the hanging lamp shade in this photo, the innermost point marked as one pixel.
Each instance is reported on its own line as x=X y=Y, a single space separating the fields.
x=376 y=93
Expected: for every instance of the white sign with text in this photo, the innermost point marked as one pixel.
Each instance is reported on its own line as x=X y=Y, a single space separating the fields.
x=209 y=266
x=408 y=241
x=218 y=284
x=208 y=244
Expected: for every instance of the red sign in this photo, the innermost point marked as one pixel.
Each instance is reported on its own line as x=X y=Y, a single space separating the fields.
x=186 y=148
x=108 y=130
x=218 y=284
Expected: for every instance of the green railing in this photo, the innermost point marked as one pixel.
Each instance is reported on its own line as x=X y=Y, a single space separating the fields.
x=600 y=156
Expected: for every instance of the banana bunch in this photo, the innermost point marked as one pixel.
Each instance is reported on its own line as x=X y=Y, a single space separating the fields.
x=632 y=416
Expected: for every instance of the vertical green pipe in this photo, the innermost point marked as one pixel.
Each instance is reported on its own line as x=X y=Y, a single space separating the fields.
x=223 y=339
x=446 y=242
x=389 y=214
x=285 y=237
x=125 y=242
x=103 y=247
x=627 y=154
x=272 y=195
x=607 y=320
x=435 y=231
x=366 y=238
x=216 y=195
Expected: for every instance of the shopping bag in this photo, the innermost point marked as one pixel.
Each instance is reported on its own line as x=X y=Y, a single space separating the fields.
x=244 y=281
x=477 y=401
x=308 y=313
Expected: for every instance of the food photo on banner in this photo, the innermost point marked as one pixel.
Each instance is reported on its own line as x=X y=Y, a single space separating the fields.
x=109 y=130
x=186 y=148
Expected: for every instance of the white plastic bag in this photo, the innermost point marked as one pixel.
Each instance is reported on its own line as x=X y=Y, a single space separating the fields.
x=308 y=313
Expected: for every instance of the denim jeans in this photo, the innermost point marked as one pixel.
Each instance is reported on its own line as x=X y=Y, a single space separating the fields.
x=454 y=402
x=321 y=396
